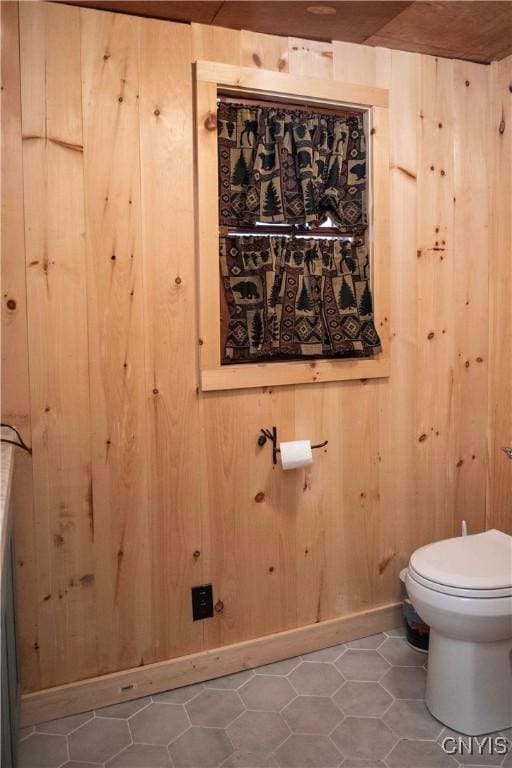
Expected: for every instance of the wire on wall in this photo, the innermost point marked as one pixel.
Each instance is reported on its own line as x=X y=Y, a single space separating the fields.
x=20 y=443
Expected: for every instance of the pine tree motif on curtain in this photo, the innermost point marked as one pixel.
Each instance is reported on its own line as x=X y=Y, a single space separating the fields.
x=305 y=302
x=365 y=303
x=274 y=293
x=346 y=298
x=273 y=328
x=310 y=198
x=272 y=205
x=257 y=330
x=309 y=259
x=241 y=175
x=333 y=177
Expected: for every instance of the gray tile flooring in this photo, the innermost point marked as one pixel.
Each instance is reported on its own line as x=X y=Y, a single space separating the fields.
x=358 y=705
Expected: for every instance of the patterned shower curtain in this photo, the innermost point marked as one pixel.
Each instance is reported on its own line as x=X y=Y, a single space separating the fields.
x=283 y=165
x=286 y=298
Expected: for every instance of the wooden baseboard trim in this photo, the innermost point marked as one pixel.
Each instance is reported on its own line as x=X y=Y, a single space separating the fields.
x=96 y=692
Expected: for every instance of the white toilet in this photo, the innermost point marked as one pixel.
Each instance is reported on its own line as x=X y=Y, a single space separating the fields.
x=462 y=588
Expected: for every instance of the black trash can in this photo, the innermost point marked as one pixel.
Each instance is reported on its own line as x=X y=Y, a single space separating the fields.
x=416 y=631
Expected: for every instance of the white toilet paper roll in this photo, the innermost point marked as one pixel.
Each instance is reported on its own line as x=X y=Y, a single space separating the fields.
x=295 y=454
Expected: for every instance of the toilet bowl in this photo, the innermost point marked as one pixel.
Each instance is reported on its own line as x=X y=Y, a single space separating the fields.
x=462 y=588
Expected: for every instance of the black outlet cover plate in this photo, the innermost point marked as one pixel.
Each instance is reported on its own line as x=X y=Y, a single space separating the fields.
x=202 y=602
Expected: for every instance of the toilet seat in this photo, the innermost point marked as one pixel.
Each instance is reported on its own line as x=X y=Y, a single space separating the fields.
x=447 y=589
x=477 y=566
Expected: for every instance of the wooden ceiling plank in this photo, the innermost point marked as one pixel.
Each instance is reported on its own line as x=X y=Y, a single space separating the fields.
x=478 y=31
x=201 y=11
x=353 y=21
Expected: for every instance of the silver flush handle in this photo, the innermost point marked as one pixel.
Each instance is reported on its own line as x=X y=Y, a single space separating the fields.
x=508 y=451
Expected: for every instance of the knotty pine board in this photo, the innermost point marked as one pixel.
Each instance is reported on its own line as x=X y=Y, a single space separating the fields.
x=15 y=392
x=499 y=495
x=119 y=450
x=173 y=410
x=64 y=584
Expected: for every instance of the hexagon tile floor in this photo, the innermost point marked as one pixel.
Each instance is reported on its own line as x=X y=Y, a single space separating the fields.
x=358 y=705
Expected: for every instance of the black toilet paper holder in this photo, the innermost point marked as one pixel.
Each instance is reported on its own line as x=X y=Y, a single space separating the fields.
x=267 y=434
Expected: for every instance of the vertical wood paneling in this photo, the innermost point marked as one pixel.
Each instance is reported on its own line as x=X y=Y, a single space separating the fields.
x=15 y=385
x=470 y=299
x=174 y=454
x=434 y=452
x=110 y=71
x=15 y=392
x=113 y=355
x=263 y=51
x=362 y=64
x=397 y=466
x=321 y=557
x=250 y=517
x=57 y=326
x=499 y=501
x=215 y=44
x=309 y=58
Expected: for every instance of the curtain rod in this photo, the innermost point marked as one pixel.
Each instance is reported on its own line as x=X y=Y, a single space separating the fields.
x=344 y=238
x=357 y=239
x=290 y=230
x=341 y=112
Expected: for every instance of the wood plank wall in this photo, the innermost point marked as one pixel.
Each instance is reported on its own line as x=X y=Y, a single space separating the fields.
x=15 y=393
x=499 y=499
x=140 y=486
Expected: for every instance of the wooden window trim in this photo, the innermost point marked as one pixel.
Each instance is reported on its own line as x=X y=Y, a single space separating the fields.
x=213 y=79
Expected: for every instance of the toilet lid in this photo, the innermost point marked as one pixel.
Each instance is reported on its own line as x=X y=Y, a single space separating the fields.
x=481 y=561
